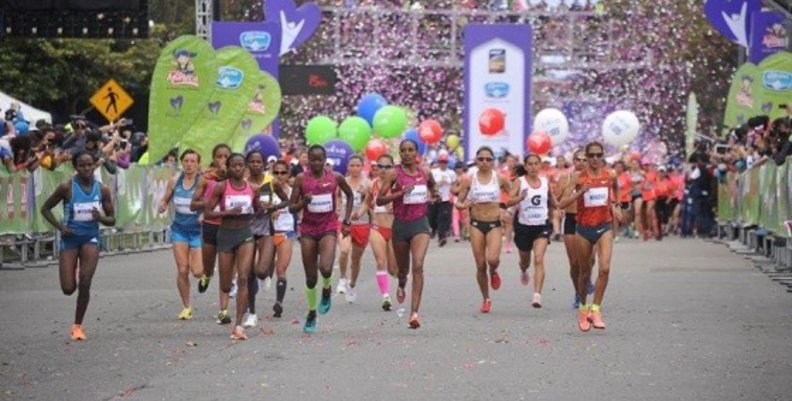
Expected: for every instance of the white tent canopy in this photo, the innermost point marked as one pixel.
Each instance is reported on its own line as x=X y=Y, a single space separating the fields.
x=31 y=113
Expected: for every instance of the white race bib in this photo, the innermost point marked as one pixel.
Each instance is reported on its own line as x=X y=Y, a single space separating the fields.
x=241 y=201
x=380 y=209
x=596 y=197
x=183 y=205
x=284 y=222
x=418 y=195
x=84 y=211
x=321 y=203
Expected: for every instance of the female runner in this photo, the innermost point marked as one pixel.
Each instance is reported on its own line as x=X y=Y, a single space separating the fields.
x=283 y=228
x=409 y=187
x=83 y=197
x=381 y=233
x=359 y=229
x=482 y=195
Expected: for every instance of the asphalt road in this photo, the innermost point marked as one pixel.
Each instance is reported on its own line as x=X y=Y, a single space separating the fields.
x=687 y=320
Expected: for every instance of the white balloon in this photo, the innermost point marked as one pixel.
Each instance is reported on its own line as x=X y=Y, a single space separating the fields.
x=555 y=123
x=620 y=128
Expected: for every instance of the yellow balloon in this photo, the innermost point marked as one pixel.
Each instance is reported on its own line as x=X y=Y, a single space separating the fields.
x=452 y=141
x=460 y=153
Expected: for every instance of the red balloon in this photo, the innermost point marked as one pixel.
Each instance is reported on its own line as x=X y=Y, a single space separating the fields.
x=539 y=143
x=375 y=148
x=430 y=131
x=491 y=121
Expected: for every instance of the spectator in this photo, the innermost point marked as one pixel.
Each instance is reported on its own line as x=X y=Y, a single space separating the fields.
x=94 y=146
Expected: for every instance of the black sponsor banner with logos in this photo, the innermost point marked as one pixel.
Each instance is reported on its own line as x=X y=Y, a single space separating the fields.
x=308 y=79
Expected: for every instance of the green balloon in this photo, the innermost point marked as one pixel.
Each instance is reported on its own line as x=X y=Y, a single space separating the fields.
x=356 y=132
x=319 y=130
x=390 y=121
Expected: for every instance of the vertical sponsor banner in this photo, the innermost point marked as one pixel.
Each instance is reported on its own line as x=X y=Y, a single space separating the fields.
x=498 y=76
x=234 y=88
x=776 y=80
x=744 y=99
x=769 y=35
x=180 y=87
x=156 y=183
x=263 y=41
x=260 y=111
x=759 y=90
x=13 y=203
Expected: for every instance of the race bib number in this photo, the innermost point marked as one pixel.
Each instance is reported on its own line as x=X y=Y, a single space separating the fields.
x=182 y=205
x=418 y=195
x=321 y=204
x=84 y=211
x=242 y=202
x=596 y=197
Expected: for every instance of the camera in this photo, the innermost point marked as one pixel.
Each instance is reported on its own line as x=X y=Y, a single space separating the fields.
x=10 y=114
x=722 y=149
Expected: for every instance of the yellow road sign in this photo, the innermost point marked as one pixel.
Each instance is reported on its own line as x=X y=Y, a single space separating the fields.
x=111 y=100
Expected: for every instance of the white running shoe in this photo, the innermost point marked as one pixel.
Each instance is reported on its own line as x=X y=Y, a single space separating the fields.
x=341 y=288
x=233 y=292
x=351 y=295
x=251 y=320
x=268 y=284
x=537 y=300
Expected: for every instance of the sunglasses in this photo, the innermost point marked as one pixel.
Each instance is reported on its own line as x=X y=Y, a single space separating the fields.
x=594 y=155
x=280 y=172
x=580 y=159
x=384 y=166
x=485 y=159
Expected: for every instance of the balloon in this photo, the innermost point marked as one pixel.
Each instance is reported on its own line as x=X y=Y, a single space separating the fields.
x=620 y=128
x=356 y=132
x=267 y=145
x=452 y=141
x=338 y=153
x=368 y=106
x=491 y=121
x=554 y=122
x=460 y=153
x=539 y=143
x=376 y=148
x=21 y=127
x=430 y=131
x=319 y=130
x=390 y=121
x=415 y=136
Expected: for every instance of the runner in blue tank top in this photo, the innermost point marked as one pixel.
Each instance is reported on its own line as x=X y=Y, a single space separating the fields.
x=185 y=231
x=83 y=199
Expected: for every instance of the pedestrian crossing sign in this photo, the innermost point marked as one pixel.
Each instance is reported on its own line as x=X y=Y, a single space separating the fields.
x=111 y=100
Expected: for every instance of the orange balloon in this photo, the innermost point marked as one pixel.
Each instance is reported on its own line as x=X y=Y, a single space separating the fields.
x=491 y=121
x=430 y=131
x=375 y=148
x=539 y=143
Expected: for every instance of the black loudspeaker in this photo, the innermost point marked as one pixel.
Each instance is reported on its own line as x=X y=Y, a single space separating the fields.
x=98 y=19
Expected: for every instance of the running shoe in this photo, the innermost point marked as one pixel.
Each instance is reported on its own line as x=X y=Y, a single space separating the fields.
x=350 y=295
x=250 y=320
x=341 y=288
x=386 y=303
x=576 y=302
x=414 y=322
x=486 y=306
x=537 y=300
x=584 y=324
x=596 y=320
x=203 y=283
x=277 y=309
x=590 y=287
x=443 y=242
x=267 y=284
x=77 y=333
x=495 y=280
x=324 y=304
x=233 y=292
x=223 y=317
x=238 y=334
x=401 y=294
x=186 y=314
x=310 y=323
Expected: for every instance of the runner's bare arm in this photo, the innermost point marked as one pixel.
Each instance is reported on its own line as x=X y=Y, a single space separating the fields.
x=197 y=202
x=61 y=193
x=347 y=191
x=572 y=196
x=169 y=189
x=298 y=201
x=107 y=205
x=386 y=193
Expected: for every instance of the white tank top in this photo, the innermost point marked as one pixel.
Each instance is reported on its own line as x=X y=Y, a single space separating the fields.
x=533 y=210
x=484 y=193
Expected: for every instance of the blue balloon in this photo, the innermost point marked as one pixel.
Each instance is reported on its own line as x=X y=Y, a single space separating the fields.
x=412 y=133
x=368 y=106
x=264 y=144
x=338 y=153
x=21 y=127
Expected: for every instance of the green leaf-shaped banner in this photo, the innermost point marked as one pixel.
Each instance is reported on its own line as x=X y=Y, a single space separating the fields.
x=759 y=90
x=180 y=87
x=260 y=111
x=234 y=85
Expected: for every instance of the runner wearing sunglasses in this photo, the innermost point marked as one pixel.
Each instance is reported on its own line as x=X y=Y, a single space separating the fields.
x=359 y=229
x=381 y=232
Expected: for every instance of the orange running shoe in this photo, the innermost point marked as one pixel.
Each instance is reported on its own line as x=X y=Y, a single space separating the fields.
x=583 y=320
x=495 y=280
x=238 y=334
x=77 y=333
x=414 y=322
x=486 y=306
x=596 y=320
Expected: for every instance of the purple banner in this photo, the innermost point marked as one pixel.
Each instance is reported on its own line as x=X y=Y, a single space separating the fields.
x=497 y=87
x=769 y=35
x=296 y=24
x=732 y=18
x=261 y=39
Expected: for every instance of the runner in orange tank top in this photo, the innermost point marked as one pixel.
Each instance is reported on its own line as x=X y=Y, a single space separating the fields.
x=596 y=210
